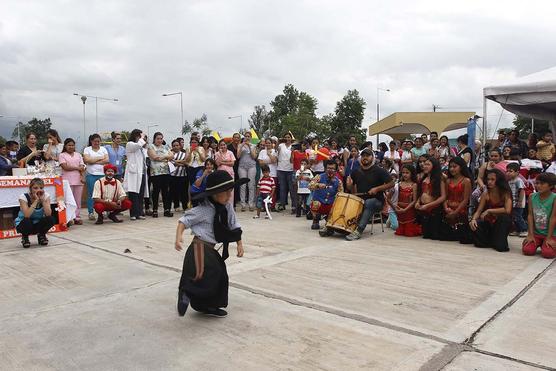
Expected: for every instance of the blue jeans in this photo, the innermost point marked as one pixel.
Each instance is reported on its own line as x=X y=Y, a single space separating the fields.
x=285 y=181
x=90 y=181
x=519 y=222
x=372 y=206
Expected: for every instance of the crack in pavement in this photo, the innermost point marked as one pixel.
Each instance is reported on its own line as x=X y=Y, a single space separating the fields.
x=502 y=356
x=437 y=362
x=471 y=339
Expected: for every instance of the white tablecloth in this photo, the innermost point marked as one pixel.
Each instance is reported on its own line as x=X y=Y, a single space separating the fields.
x=9 y=197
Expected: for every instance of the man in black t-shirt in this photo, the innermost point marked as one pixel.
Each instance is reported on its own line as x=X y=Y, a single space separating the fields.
x=368 y=182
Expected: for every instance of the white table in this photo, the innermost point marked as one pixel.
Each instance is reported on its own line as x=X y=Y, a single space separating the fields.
x=9 y=194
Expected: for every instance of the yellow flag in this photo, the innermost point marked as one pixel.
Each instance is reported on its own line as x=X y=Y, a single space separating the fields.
x=254 y=137
x=215 y=135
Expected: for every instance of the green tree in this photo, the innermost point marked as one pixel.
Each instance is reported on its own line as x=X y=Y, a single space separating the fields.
x=294 y=111
x=39 y=127
x=523 y=125
x=348 y=117
x=125 y=135
x=260 y=121
x=199 y=124
x=2 y=140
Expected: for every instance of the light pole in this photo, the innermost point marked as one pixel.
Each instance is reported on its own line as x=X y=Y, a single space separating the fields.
x=241 y=120
x=378 y=89
x=148 y=127
x=181 y=107
x=96 y=104
x=83 y=99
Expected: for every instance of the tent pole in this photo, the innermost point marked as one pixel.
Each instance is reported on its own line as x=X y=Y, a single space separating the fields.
x=485 y=133
x=532 y=125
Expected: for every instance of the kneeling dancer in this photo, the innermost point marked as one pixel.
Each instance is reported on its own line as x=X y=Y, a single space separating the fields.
x=492 y=220
x=204 y=279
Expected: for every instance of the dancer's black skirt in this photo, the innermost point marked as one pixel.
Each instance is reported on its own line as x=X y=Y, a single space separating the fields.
x=211 y=291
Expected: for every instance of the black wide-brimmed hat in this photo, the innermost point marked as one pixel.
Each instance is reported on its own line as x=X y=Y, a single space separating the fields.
x=219 y=181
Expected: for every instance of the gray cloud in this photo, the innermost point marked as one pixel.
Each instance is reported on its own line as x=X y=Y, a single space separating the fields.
x=227 y=57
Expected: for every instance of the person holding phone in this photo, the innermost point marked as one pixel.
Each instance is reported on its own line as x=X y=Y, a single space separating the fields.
x=247 y=154
x=195 y=159
x=135 y=176
x=35 y=214
x=29 y=153
x=53 y=148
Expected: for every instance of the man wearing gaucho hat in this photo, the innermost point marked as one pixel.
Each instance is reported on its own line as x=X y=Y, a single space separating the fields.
x=204 y=279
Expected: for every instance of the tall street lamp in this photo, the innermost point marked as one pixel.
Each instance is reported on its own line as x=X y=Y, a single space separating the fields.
x=378 y=110
x=84 y=98
x=148 y=127
x=181 y=107
x=241 y=120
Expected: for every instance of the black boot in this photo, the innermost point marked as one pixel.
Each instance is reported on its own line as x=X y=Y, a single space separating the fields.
x=100 y=219
x=25 y=241
x=316 y=221
x=43 y=241
x=183 y=303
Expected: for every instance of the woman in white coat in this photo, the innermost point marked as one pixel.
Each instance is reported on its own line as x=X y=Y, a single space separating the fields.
x=135 y=178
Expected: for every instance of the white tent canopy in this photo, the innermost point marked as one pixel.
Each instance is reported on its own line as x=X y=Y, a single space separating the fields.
x=532 y=96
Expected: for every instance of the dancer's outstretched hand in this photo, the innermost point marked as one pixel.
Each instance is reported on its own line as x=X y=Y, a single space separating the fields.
x=178 y=244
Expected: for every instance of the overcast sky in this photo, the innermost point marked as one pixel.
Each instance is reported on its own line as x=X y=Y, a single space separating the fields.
x=227 y=56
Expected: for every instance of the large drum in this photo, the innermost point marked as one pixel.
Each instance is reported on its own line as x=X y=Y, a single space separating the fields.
x=345 y=213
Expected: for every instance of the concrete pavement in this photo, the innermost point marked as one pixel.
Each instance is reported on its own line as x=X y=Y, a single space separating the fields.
x=297 y=301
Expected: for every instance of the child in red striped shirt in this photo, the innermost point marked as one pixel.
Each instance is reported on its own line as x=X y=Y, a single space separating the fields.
x=265 y=188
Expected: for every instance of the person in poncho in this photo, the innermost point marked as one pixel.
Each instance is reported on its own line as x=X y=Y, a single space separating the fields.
x=204 y=279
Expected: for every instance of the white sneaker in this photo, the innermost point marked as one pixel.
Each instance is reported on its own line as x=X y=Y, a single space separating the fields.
x=132 y=218
x=523 y=234
x=514 y=234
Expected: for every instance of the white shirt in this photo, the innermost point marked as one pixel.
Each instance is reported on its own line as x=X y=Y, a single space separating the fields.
x=200 y=220
x=263 y=155
x=303 y=179
x=284 y=156
x=95 y=169
x=395 y=159
x=55 y=152
x=552 y=168
x=394 y=197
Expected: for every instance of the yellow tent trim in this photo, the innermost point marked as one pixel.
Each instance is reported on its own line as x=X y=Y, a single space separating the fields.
x=399 y=125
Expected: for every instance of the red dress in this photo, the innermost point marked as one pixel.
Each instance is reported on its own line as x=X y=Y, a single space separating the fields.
x=491 y=218
x=407 y=225
x=455 y=195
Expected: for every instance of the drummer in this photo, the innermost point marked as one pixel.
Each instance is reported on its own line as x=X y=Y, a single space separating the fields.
x=368 y=182
x=325 y=187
